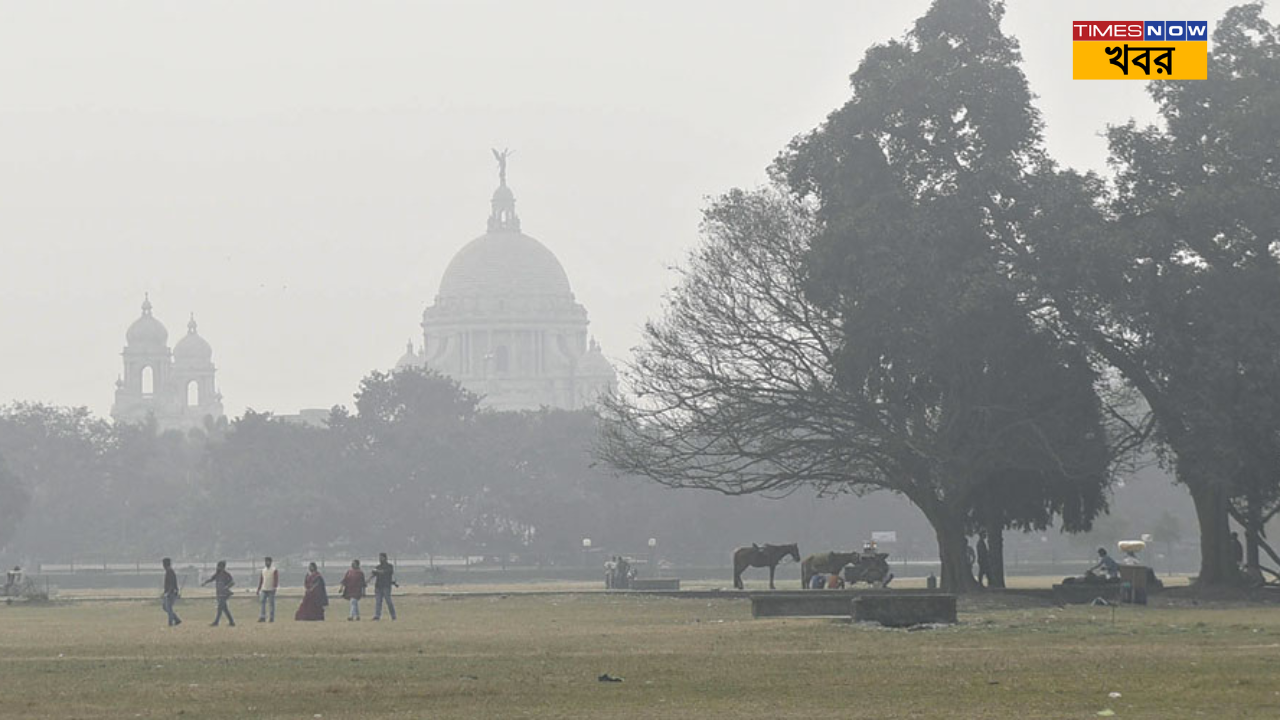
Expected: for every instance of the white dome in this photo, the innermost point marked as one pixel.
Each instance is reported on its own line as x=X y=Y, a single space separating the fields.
x=504 y=263
x=146 y=330
x=192 y=348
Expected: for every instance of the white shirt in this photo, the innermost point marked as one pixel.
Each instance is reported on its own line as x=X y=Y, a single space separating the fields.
x=270 y=578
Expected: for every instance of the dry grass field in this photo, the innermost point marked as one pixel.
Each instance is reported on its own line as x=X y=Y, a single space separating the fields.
x=540 y=656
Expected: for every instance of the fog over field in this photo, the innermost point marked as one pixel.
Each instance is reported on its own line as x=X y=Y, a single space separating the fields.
x=547 y=284
x=298 y=175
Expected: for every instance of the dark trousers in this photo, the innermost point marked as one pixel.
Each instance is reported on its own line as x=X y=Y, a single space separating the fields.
x=166 y=602
x=379 y=595
x=223 y=610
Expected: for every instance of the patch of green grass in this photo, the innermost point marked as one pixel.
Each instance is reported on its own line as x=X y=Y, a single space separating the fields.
x=540 y=657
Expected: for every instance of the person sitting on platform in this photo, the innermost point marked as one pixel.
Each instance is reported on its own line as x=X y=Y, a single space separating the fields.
x=1107 y=565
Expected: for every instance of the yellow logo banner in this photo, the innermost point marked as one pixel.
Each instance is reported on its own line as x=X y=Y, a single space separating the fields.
x=1139 y=60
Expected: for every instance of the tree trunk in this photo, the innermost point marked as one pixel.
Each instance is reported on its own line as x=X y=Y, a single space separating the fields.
x=1215 y=540
x=995 y=555
x=956 y=575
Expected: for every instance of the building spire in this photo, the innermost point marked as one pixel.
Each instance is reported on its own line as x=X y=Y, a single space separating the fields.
x=146 y=303
x=503 y=213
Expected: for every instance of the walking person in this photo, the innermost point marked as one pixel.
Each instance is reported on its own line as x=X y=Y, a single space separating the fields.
x=222 y=584
x=353 y=585
x=268 y=583
x=316 y=597
x=383 y=580
x=170 y=595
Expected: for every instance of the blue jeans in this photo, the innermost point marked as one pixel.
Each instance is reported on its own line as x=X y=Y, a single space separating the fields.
x=355 y=609
x=223 y=610
x=264 y=598
x=166 y=602
x=380 y=594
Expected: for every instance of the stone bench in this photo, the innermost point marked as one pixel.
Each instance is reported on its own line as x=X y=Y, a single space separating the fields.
x=655 y=584
x=902 y=610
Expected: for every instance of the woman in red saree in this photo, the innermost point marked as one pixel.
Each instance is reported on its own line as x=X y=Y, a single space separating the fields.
x=313 y=603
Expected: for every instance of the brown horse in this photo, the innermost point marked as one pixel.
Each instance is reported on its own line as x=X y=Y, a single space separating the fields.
x=761 y=556
x=828 y=562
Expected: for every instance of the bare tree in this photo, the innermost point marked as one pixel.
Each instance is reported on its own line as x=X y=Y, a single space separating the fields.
x=743 y=387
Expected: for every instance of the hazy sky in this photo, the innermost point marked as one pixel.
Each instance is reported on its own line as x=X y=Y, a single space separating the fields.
x=299 y=174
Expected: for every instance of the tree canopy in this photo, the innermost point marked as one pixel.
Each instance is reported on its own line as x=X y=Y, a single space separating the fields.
x=1171 y=276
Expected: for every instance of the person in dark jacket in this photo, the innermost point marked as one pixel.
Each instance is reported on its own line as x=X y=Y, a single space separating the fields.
x=170 y=595
x=383 y=580
x=1237 y=550
x=222 y=584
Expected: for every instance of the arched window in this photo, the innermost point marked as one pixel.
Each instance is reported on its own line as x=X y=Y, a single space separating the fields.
x=502 y=359
x=148 y=380
x=193 y=393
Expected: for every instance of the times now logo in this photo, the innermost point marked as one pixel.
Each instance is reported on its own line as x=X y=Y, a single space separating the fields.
x=1161 y=30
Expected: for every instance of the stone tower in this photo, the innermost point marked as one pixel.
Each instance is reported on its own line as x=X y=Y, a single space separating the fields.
x=176 y=388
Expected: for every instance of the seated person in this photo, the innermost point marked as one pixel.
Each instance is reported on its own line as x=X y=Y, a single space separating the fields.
x=12 y=580
x=818 y=581
x=1107 y=565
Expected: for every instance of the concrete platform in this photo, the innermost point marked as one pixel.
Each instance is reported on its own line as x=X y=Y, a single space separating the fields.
x=905 y=610
x=826 y=603
x=650 y=584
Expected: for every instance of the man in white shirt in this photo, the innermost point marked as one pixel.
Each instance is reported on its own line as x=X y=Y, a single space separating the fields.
x=268 y=583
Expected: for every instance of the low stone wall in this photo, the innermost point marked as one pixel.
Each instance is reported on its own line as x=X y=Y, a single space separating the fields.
x=890 y=607
x=905 y=610
x=655 y=584
x=807 y=603
x=1085 y=593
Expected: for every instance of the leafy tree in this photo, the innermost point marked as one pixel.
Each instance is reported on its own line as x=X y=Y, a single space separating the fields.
x=153 y=478
x=920 y=181
x=413 y=453
x=904 y=353
x=59 y=454
x=1174 y=280
x=269 y=487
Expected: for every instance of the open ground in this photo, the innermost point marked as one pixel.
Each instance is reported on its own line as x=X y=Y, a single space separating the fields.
x=540 y=656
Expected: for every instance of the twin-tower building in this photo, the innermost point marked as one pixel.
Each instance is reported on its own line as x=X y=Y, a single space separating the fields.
x=505 y=324
x=173 y=387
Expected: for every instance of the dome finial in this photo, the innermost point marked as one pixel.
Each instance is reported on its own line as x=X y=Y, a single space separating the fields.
x=146 y=303
x=503 y=215
x=501 y=157
x=191 y=326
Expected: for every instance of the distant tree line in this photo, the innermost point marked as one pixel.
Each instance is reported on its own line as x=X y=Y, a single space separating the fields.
x=924 y=302
x=415 y=466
